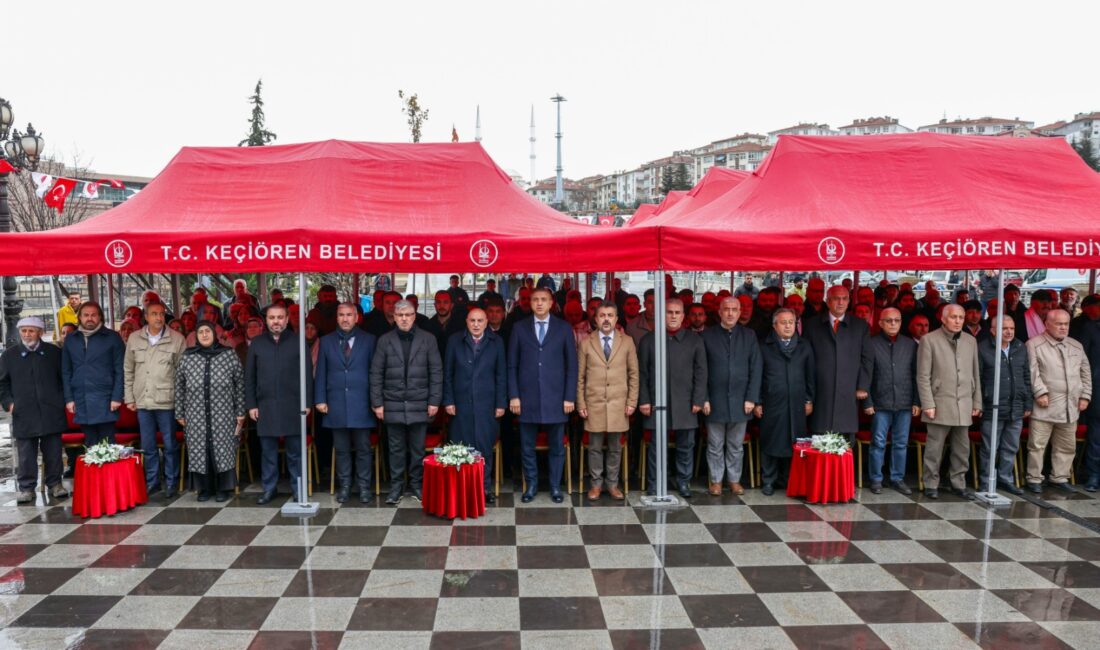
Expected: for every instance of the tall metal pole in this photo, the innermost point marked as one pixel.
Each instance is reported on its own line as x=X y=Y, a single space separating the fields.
x=559 y=194
x=303 y=507
x=12 y=305
x=989 y=495
x=532 y=139
x=1092 y=281
x=660 y=401
x=110 y=301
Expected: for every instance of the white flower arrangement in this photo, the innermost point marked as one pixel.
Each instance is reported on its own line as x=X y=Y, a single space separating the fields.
x=104 y=452
x=456 y=454
x=830 y=443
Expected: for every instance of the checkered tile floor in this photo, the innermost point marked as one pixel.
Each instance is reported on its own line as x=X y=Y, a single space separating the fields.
x=755 y=572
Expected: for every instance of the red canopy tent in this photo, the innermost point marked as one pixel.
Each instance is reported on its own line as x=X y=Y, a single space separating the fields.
x=916 y=201
x=328 y=206
x=716 y=182
x=643 y=211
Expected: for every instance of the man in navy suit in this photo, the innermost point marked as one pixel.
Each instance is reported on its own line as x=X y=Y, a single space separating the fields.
x=342 y=392
x=542 y=385
x=475 y=388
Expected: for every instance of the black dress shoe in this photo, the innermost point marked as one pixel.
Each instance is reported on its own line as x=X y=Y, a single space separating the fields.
x=1010 y=488
x=204 y=496
x=490 y=498
x=1035 y=488
x=170 y=493
x=529 y=495
x=876 y=487
x=932 y=493
x=342 y=494
x=266 y=497
x=556 y=496
x=1092 y=487
x=393 y=498
x=364 y=495
x=684 y=490
x=1066 y=487
x=222 y=496
x=768 y=489
x=417 y=495
x=901 y=487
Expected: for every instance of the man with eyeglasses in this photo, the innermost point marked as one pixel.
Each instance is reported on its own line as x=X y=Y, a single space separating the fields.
x=891 y=398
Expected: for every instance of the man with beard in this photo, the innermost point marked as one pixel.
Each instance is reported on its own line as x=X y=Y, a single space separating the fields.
x=94 y=379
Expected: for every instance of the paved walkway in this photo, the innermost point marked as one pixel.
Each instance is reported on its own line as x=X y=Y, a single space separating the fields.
x=756 y=572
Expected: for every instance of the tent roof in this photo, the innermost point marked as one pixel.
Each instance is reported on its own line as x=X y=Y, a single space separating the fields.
x=716 y=182
x=328 y=206
x=913 y=201
x=643 y=212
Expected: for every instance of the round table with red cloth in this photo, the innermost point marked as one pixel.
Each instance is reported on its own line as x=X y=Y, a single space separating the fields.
x=821 y=477
x=109 y=488
x=454 y=491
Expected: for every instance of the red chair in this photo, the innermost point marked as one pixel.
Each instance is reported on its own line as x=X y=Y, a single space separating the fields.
x=542 y=443
x=584 y=446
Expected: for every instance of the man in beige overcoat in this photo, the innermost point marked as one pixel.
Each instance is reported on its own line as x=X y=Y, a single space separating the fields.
x=948 y=381
x=607 y=394
x=1061 y=381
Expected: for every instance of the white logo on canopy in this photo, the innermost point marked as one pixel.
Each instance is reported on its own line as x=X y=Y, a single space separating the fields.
x=118 y=253
x=830 y=250
x=483 y=253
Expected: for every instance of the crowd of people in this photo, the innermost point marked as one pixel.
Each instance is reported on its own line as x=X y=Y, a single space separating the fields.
x=530 y=363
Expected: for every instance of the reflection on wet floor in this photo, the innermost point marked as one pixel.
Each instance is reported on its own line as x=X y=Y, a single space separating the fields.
x=888 y=571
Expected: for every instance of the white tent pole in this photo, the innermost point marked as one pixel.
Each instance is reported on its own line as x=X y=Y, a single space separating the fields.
x=302 y=507
x=110 y=301
x=991 y=495
x=660 y=341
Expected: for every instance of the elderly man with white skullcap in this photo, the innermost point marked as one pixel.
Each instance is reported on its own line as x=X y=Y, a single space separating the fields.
x=31 y=392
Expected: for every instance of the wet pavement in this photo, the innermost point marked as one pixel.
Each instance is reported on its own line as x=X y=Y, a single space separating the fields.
x=755 y=571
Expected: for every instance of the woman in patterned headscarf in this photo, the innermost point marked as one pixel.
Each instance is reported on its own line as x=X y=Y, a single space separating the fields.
x=210 y=406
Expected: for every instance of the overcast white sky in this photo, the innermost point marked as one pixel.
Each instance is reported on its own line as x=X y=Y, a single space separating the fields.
x=126 y=84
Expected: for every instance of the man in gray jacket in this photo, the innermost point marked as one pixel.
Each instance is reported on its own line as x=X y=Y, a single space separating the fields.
x=406 y=388
x=734 y=370
x=891 y=398
x=152 y=355
x=947 y=384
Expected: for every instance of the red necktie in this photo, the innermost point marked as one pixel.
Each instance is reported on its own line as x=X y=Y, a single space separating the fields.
x=836 y=325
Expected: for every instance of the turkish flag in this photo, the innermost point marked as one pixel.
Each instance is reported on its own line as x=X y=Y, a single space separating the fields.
x=42 y=183
x=6 y=167
x=112 y=182
x=90 y=190
x=60 y=191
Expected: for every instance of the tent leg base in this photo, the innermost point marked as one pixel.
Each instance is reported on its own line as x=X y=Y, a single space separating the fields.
x=662 y=502
x=295 y=509
x=993 y=499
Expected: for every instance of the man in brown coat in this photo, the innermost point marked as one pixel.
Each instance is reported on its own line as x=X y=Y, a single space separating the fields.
x=1061 y=381
x=948 y=381
x=607 y=394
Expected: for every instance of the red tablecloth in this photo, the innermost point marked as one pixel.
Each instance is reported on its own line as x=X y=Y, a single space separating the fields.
x=451 y=491
x=106 y=489
x=821 y=478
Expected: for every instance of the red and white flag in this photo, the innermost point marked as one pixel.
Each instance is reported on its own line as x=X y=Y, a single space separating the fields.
x=6 y=167
x=112 y=182
x=90 y=190
x=62 y=188
x=42 y=183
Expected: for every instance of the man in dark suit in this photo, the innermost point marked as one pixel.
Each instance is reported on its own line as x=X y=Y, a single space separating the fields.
x=733 y=386
x=786 y=394
x=542 y=386
x=406 y=387
x=30 y=390
x=342 y=393
x=841 y=357
x=475 y=388
x=272 y=395
x=686 y=392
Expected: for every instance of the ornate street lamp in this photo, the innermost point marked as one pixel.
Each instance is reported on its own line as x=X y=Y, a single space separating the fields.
x=22 y=151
